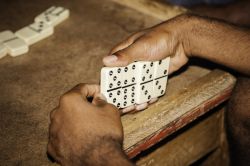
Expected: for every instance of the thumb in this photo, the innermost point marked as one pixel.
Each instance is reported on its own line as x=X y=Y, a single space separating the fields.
x=146 y=48
x=134 y=52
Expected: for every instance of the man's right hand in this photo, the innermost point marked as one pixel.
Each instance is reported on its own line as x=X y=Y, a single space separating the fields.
x=156 y=43
x=181 y=37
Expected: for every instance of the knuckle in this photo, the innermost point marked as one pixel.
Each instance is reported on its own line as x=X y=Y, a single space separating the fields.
x=65 y=98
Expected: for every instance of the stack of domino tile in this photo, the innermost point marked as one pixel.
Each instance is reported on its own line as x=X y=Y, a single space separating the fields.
x=18 y=43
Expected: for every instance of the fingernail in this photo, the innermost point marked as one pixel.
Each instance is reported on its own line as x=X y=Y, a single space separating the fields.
x=110 y=59
x=128 y=109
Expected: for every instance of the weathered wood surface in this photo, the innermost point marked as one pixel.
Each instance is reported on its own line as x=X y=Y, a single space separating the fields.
x=31 y=84
x=174 y=111
x=162 y=11
x=192 y=143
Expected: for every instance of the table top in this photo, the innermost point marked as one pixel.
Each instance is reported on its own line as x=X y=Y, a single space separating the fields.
x=31 y=84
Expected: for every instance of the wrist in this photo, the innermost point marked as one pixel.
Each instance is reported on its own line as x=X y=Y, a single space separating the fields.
x=187 y=22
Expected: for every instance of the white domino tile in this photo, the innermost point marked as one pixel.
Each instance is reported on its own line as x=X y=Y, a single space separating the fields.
x=114 y=96
x=144 y=92
x=111 y=84
x=159 y=86
x=144 y=79
x=128 y=96
x=145 y=71
x=15 y=46
x=161 y=67
x=35 y=32
x=136 y=83
x=53 y=16
x=129 y=74
x=160 y=77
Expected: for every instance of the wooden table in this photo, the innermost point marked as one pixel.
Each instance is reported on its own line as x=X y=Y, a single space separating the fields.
x=31 y=84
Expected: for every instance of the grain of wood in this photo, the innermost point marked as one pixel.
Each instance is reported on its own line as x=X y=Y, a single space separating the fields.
x=170 y=112
x=188 y=146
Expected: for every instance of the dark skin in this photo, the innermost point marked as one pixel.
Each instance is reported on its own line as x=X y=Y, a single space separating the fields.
x=90 y=133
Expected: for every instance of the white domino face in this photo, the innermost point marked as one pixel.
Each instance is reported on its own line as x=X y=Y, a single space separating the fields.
x=159 y=86
x=111 y=84
x=128 y=95
x=35 y=32
x=14 y=45
x=144 y=92
x=53 y=16
x=160 y=77
x=139 y=82
x=129 y=74
x=161 y=67
x=144 y=87
x=145 y=71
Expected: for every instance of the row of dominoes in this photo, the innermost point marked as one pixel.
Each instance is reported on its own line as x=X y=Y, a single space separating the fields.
x=136 y=83
x=18 y=43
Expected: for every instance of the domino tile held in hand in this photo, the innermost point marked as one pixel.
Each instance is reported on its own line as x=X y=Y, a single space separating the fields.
x=111 y=84
x=128 y=85
x=144 y=87
x=160 y=77
x=159 y=86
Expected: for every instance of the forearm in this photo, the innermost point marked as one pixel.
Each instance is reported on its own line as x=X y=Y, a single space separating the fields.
x=106 y=151
x=219 y=42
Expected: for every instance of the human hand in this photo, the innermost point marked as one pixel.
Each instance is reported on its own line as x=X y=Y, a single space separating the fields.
x=83 y=132
x=156 y=43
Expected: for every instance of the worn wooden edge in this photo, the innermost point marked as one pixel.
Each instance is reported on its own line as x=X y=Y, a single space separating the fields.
x=153 y=8
x=188 y=146
x=204 y=94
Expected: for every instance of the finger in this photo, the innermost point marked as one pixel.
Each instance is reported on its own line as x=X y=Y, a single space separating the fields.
x=127 y=42
x=128 y=109
x=153 y=100
x=141 y=107
x=86 y=90
x=51 y=152
x=146 y=48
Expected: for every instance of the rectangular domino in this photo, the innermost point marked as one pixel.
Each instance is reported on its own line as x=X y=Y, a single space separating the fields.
x=111 y=84
x=159 y=86
x=53 y=16
x=35 y=32
x=136 y=83
x=160 y=77
x=15 y=46
x=144 y=79
x=161 y=67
